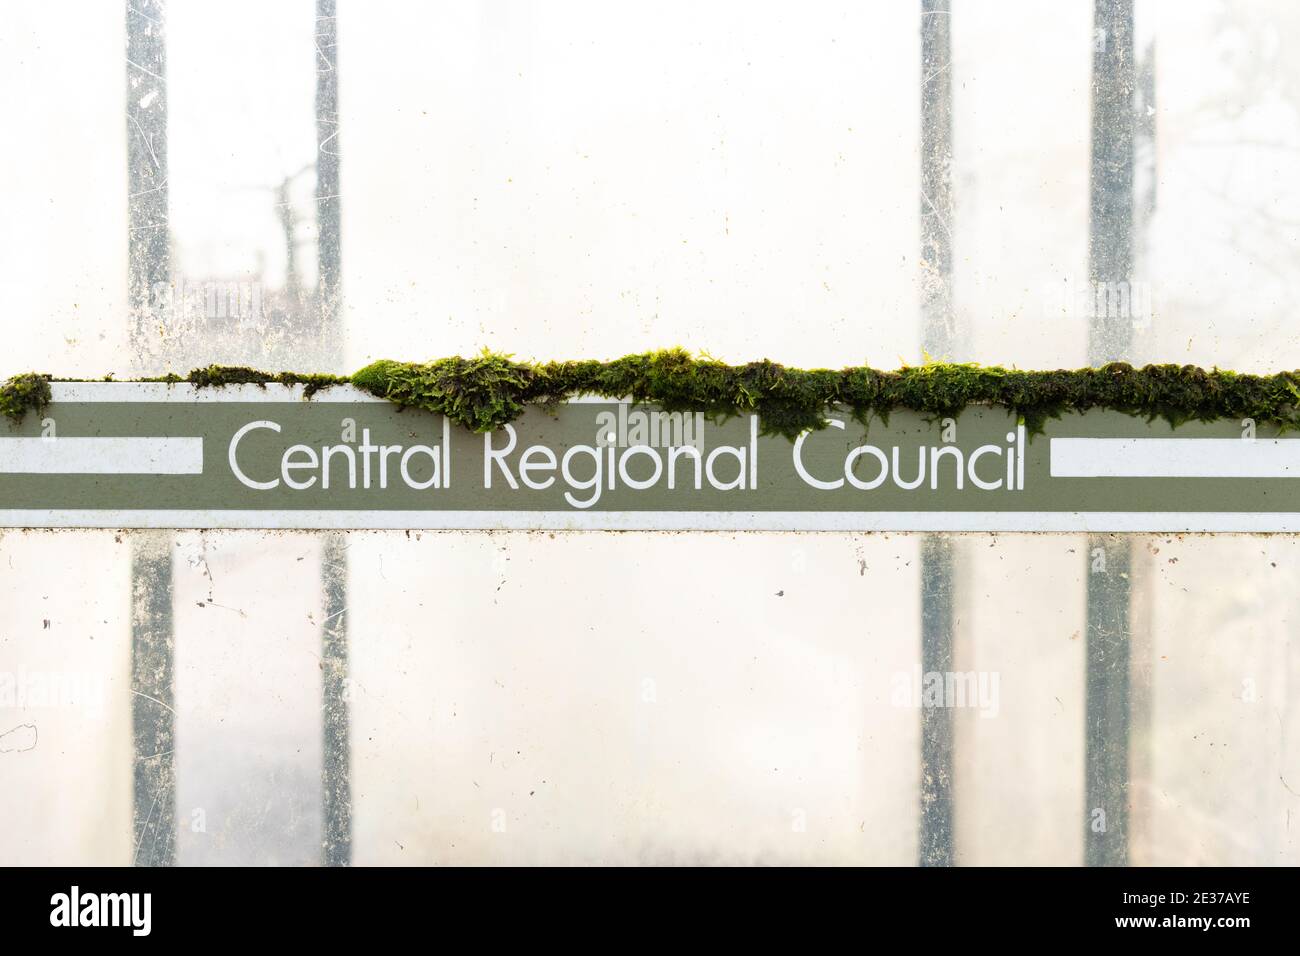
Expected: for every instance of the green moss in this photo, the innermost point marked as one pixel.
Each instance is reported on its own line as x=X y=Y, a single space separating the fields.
x=218 y=375
x=20 y=393
x=490 y=389
x=480 y=393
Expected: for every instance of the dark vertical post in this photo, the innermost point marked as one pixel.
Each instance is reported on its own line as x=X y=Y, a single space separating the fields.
x=152 y=700
x=1110 y=234
x=148 y=237
x=938 y=339
x=936 y=835
x=336 y=789
x=328 y=200
x=335 y=772
x=148 y=278
x=938 y=321
x=1110 y=338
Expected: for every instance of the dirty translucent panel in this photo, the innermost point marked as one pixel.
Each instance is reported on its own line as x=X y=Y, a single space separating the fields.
x=1019 y=751
x=242 y=140
x=588 y=179
x=65 y=704
x=1212 y=700
x=1020 y=178
x=633 y=698
x=63 y=233
x=65 y=739
x=1217 y=766
x=1225 y=249
x=1216 y=246
x=248 y=732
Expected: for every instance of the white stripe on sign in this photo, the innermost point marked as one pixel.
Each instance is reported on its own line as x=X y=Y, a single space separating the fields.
x=184 y=392
x=101 y=456
x=1174 y=458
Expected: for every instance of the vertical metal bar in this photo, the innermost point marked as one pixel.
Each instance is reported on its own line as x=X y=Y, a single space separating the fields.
x=1106 y=761
x=149 y=273
x=328 y=200
x=148 y=238
x=335 y=772
x=938 y=338
x=336 y=787
x=1110 y=338
x=938 y=321
x=1110 y=239
x=152 y=700
x=936 y=833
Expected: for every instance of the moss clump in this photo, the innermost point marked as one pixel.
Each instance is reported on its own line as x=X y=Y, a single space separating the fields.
x=480 y=393
x=215 y=376
x=486 y=392
x=490 y=389
x=30 y=390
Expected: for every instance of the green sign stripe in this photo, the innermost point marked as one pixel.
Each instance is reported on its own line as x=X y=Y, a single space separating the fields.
x=281 y=461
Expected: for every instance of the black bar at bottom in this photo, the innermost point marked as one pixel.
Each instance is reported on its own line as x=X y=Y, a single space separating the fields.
x=981 y=906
